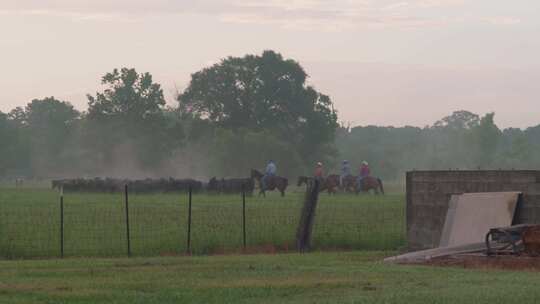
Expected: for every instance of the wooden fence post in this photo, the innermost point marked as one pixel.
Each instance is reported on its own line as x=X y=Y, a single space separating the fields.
x=307 y=218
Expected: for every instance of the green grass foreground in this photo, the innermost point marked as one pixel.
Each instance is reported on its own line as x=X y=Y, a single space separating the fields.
x=353 y=277
x=94 y=224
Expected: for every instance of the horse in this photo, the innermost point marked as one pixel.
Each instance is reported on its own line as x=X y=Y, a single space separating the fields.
x=349 y=183
x=370 y=183
x=272 y=183
x=304 y=180
x=330 y=183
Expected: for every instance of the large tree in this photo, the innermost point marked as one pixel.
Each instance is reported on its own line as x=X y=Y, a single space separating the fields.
x=128 y=122
x=459 y=120
x=46 y=125
x=487 y=136
x=128 y=94
x=50 y=115
x=263 y=93
x=8 y=149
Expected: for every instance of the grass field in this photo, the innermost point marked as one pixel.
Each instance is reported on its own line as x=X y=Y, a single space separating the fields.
x=94 y=224
x=352 y=277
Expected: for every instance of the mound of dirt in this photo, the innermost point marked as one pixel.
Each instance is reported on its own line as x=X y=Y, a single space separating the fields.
x=502 y=262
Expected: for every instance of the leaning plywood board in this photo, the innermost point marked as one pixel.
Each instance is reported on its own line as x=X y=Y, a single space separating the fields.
x=471 y=215
x=426 y=255
x=450 y=215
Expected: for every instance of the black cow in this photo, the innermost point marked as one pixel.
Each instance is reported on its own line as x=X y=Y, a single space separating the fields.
x=231 y=185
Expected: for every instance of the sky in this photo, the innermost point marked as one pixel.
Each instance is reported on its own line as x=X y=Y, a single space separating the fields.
x=383 y=62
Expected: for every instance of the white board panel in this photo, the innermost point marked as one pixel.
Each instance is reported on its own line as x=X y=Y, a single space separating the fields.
x=471 y=215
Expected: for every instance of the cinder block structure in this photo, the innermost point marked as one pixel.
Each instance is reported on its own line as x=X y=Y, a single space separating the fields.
x=429 y=192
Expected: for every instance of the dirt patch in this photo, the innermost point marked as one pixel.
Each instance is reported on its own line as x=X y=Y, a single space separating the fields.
x=255 y=249
x=505 y=262
x=260 y=249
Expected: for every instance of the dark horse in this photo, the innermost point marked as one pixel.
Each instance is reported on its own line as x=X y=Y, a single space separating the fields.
x=349 y=183
x=272 y=183
x=330 y=183
x=370 y=183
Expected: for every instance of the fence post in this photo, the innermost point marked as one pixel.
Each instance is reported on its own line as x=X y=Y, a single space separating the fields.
x=244 y=214
x=307 y=217
x=189 y=221
x=62 y=222
x=127 y=221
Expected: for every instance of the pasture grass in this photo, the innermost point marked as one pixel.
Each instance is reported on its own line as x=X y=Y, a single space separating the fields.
x=350 y=277
x=94 y=224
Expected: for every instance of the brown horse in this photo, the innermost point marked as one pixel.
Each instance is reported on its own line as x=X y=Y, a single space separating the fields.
x=330 y=183
x=349 y=183
x=370 y=183
x=272 y=183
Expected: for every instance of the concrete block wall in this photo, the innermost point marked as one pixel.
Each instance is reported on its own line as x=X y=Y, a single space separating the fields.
x=429 y=192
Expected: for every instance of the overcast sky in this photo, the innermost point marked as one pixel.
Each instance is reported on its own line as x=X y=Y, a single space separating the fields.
x=384 y=62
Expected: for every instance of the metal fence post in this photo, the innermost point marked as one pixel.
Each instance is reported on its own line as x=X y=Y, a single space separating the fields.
x=62 y=222
x=244 y=214
x=127 y=221
x=189 y=221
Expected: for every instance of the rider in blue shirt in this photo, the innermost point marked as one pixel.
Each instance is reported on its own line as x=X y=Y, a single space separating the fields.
x=345 y=171
x=268 y=173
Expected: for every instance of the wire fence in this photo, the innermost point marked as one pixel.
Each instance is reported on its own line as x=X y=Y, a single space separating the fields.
x=42 y=224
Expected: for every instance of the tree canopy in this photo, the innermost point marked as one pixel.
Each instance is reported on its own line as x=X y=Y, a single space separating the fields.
x=263 y=93
x=128 y=121
x=128 y=95
x=459 y=120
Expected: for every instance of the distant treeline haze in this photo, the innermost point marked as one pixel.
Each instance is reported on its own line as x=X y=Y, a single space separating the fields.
x=233 y=116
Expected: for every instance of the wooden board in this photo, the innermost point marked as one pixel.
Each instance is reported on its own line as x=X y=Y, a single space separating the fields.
x=471 y=215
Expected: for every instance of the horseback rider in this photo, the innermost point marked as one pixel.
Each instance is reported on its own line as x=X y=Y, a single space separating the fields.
x=345 y=171
x=269 y=173
x=364 y=172
x=319 y=172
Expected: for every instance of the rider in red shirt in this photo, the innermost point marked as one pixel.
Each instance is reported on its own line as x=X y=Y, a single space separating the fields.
x=364 y=169
x=319 y=173
x=364 y=172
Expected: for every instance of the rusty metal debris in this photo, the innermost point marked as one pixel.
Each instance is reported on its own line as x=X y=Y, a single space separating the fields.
x=515 y=240
x=531 y=240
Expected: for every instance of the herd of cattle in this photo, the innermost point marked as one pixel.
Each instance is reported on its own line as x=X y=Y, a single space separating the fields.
x=332 y=184
x=236 y=185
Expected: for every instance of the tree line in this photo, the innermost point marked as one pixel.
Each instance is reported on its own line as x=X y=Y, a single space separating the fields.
x=460 y=141
x=235 y=115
